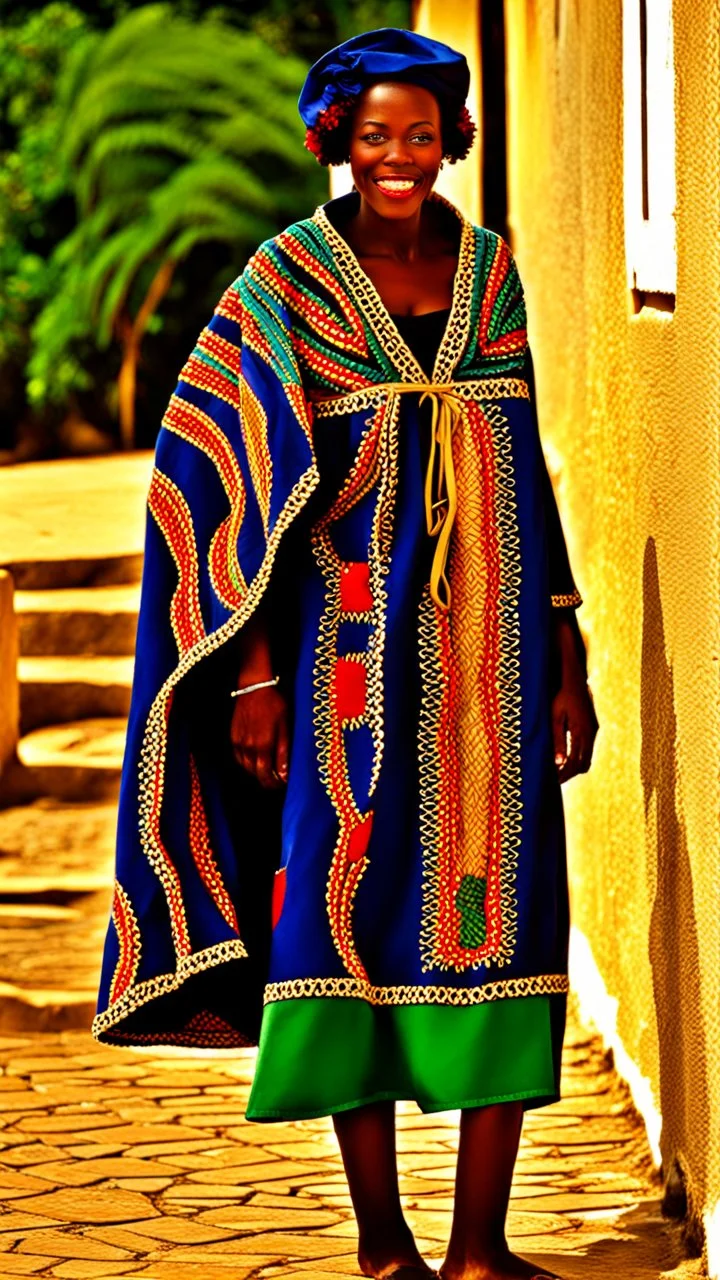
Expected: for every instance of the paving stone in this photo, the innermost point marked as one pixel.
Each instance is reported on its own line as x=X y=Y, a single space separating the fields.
x=93 y=1150
x=18 y=1264
x=68 y=1244
x=16 y=1222
x=143 y=1149
x=261 y=1171
x=93 y=1206
x=199 y=1193
x=134 y=1134
x=82 y=1174
x=278 y=1245
x=67 y=1124
x=231 y=1156
x=181 y=1231
x=28 y=1154
x=255 y=1217
x=200 y=1270
x=80 y=1269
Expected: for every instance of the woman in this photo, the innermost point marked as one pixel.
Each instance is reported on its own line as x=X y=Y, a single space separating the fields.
x=356 y=588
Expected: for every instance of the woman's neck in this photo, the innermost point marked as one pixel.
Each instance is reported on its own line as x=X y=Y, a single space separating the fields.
x=376 y=237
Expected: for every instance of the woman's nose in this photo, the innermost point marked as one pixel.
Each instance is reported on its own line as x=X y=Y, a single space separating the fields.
x=398 y=152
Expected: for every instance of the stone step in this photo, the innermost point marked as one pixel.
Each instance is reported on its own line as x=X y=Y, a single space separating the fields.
x=78 y=620
x=93 y=571
x=54 y=690
x=77 y=761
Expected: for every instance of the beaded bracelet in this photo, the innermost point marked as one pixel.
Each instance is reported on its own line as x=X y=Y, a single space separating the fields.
x=250 y=688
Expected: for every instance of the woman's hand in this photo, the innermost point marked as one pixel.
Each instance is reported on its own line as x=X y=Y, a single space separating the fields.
x=259 y=728
x=573 y=710
x=259 y=733
x=573 y=715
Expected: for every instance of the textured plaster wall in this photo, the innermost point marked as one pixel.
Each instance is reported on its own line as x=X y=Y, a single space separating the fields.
x=457 y=24
x=630 y=408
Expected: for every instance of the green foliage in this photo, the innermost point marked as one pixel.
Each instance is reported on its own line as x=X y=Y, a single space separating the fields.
x=131 y=134
x=35 y=201
x=176 y=134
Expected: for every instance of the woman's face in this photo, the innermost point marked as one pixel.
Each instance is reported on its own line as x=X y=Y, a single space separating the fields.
x=396 y=147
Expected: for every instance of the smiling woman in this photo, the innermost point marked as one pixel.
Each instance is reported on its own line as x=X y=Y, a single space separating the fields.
x=357 y=733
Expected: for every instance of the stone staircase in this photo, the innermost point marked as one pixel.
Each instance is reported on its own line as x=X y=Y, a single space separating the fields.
x=71 y=537
x=76 y=625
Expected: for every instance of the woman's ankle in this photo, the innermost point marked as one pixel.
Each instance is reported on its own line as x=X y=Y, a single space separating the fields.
x=393 y=1246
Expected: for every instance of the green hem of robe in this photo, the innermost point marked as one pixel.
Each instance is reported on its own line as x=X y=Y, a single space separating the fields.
x=319 y=1055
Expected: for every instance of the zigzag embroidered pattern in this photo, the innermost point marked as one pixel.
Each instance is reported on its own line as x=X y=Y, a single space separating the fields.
x=352 y=989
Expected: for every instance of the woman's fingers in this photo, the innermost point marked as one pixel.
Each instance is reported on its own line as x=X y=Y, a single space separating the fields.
x=264 y=771
x=282 y=750
x=560 y=737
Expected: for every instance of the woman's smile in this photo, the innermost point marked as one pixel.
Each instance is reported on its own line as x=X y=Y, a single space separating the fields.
x=397 y=187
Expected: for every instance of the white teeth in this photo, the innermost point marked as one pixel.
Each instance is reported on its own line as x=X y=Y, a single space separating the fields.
x=396 y=184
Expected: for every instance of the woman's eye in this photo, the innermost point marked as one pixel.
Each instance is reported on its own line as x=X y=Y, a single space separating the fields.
x=422 y=137
x=373 y=137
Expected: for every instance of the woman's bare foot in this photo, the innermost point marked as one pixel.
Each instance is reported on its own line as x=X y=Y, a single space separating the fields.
x=381 y=1259
x=502 y=1265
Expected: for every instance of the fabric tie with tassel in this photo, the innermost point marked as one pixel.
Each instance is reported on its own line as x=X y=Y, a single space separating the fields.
x=448 y=409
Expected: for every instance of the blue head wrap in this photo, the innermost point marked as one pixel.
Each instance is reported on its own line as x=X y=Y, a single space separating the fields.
x=387 y=54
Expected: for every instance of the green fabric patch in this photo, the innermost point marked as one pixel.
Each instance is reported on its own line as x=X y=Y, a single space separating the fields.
x=470 y=902
x=320 y=1055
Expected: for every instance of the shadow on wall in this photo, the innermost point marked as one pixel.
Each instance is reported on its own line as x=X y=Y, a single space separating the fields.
x=674 y=951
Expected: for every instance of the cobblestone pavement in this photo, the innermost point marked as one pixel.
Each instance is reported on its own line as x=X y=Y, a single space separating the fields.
x=126 y=1163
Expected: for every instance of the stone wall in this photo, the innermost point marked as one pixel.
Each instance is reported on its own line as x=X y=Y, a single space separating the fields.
x=630 y=406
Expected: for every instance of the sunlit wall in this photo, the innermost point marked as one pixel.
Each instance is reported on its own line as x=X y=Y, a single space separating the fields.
x=630 y=402
x=457 y=25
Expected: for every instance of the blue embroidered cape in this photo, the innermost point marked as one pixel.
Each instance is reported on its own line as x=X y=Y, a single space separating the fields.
x=418 y=854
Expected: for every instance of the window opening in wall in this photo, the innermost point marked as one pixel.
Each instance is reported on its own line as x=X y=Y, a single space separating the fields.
x=650 y=191
x=494 y=160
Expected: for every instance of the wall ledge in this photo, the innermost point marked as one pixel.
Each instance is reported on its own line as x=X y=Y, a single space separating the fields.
x=599 y=1009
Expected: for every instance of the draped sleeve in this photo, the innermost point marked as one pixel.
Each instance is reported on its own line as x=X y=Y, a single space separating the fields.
x=196 y=842
x=563 y=590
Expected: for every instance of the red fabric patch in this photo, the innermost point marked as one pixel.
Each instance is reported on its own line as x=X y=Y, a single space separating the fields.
x=278 y=895
x=355 y=593
x=350 y=688
x=360 y=839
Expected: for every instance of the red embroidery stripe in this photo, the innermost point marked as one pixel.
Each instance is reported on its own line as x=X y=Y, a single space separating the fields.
x=128 y=936
x=197 y=373
x=202 y=853
x=172 y=515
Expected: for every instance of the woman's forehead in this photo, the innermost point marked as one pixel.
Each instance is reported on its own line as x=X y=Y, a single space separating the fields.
x=395 y=98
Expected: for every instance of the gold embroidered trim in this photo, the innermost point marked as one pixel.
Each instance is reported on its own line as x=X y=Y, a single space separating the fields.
x=457 y=331
x=434 y=819
x=352 y=989
x=508 y=680
x=368 y=300
x=375 y=466
x=135 y=997
x=570 y=598
x=373 y=395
